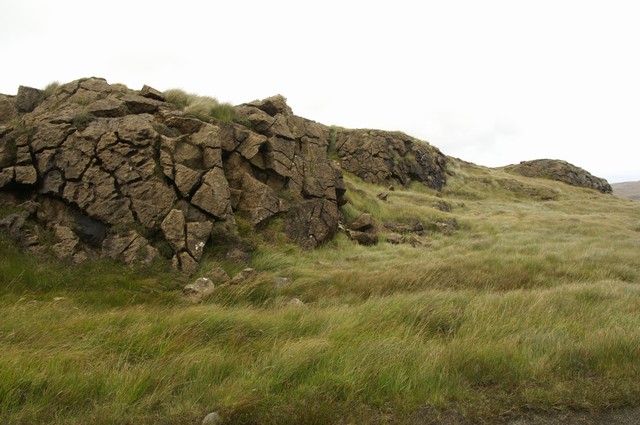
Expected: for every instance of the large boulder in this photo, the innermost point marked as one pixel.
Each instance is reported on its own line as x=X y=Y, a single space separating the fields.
x=562 y=171
x=385 y=157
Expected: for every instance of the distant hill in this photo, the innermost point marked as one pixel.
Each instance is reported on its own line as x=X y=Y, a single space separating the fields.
x=627 y=189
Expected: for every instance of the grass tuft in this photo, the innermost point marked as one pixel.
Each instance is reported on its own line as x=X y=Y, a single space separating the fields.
x=205 y=108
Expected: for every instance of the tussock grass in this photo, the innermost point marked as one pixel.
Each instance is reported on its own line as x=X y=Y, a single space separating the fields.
x=205 y=108
x=533 y=303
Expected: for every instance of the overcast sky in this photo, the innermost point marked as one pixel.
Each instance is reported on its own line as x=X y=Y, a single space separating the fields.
x=491 y=82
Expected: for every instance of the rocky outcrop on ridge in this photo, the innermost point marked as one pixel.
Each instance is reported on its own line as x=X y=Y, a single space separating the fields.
x=386 y=157
x=114 y=172
x=561 y=171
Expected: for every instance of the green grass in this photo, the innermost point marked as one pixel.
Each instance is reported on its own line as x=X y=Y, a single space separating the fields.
x=532 y=304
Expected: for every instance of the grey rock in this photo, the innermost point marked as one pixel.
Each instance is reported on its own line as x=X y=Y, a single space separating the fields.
x=199 y=289
x=295 y=302
x=281 y=281
x=212 y=418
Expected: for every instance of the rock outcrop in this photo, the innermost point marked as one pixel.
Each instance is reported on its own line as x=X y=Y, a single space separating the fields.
x=561 y=171
x=385 y=157
x=122 y=173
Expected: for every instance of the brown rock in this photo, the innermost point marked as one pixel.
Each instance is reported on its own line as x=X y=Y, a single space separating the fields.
x=129 y=247
x=257 y=119
x=186 y=179
x=108 y=107
x=6 y=176
x=187 y=263
x=27 y=98
x=174 y=227
x=382 y=196
x=312 y=222
x=239 y=256
x=184 y=125
x=8 y=150
x=251 y=145
x=395 y=239
x=140 y=105
x=385 y=157
x=151 y=93
x=67 y=242
x=258 y=201
x=272 y=105
x=217 y=275
x=15 y=224
x=560 y=171
x=8 y=108
x=363 y=238
x=213 y=194
x=72 y=161
x=279 y=155
x=363 y=222
x=26 y=174
x=121 y=158
x=150 y=200
x=244 y=276
x=48 y=135
x=197 y=237
x=446 y=227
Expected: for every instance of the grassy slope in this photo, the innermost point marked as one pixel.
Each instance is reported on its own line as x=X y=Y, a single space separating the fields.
x=530 y=305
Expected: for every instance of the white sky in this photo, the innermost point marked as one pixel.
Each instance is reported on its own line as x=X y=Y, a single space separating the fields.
x=491 y=82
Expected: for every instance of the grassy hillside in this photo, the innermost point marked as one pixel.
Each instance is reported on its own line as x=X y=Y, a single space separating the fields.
x=532 y=304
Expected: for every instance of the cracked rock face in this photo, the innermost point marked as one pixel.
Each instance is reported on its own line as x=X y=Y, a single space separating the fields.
x=385 y=157
x=561 y=171
x=119 y=173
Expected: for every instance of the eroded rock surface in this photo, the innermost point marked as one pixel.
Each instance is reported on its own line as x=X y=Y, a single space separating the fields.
x=385 y=157
x=123 y=174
